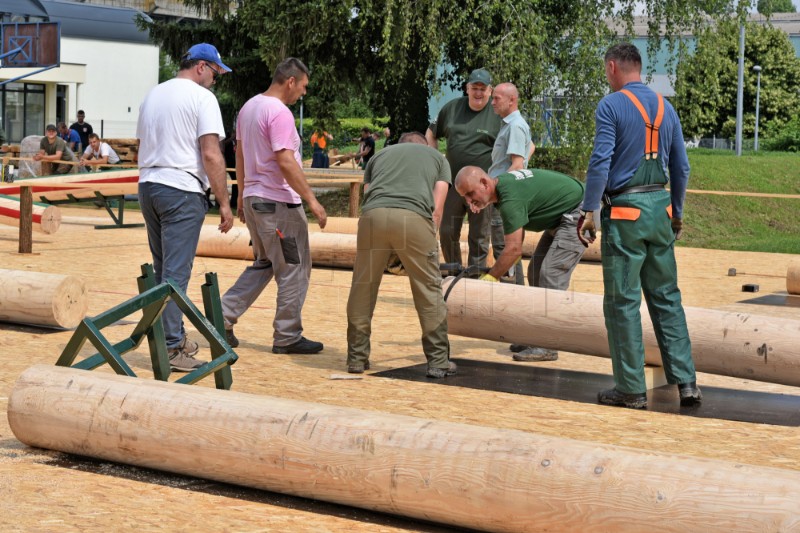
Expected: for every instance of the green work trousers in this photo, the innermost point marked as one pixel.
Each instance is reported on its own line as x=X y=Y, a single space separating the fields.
x=638 y=256
x=381 y=232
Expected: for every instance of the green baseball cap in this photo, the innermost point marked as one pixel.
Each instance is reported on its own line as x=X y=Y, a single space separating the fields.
x=480 y=75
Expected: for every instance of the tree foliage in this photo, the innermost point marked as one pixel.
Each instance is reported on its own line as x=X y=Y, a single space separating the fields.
x=706 y=83
x=768 y=7
x=390 y=52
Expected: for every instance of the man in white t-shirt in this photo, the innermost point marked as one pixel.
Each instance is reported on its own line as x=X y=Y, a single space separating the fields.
x=269 y=173
x=98 y=153
x=179 y=131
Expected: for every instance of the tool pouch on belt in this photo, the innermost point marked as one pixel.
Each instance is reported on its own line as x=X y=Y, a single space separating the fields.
x=288 y=244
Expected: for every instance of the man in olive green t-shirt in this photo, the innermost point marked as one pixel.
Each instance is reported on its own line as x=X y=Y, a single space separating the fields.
x=53 y=149
x=470 y=126
x=535 y=200
x=405 y=186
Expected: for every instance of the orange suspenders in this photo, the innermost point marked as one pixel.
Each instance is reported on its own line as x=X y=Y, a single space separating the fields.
x=651 y=137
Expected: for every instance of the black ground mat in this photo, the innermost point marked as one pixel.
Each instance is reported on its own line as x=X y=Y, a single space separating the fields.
x=536 y=379
x=778 y=299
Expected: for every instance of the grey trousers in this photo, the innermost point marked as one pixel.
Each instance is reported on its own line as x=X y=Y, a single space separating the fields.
x=287 y=259
x=173 y=219
x=381 y=232
x=558 y=253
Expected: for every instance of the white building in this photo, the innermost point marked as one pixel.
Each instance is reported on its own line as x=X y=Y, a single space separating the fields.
x=107 y=67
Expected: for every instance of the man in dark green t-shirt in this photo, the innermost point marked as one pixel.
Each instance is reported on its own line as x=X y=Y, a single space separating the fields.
x=535 y=200
x=404 y=193
x=470 y=126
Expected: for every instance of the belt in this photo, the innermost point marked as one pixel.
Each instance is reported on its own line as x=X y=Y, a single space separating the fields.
x=293 y=206
x=608 y=196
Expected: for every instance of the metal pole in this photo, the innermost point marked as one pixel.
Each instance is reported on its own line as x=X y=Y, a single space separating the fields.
x=758 y=97
x=301 y=118
x=740 y=93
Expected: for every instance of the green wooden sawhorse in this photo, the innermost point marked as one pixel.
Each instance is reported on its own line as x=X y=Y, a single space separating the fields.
x=151 y=301
x=105 y=202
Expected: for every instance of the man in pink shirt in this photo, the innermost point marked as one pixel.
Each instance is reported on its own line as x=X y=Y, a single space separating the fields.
x=269 y=173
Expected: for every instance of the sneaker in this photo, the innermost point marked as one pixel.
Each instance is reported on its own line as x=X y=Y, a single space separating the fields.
x=534 y=353
x=303 y=346
x=622 y=399
x=690 y=394
x=517 y=347
x=180 y=361
x=189 y=346
x=233 y=342
x=439 y=373
x=357 y=368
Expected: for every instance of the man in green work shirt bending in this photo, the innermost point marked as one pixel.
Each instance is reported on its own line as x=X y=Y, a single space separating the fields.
x=535 y=200
x=404 y=190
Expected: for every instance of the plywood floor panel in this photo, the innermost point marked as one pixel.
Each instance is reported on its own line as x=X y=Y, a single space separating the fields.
x=45 y=491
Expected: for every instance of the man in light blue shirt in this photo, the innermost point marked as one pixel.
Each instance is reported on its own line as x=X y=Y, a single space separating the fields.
x=511 y=151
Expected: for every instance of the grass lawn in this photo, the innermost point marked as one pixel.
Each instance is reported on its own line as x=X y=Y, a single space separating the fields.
x=720 y=222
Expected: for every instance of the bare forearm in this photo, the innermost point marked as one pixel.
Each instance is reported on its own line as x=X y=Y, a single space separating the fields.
x=431 y=139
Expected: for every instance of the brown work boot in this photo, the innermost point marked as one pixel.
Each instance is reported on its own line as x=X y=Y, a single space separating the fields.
x=438 y=373
x=534 y=353
x=232 y=340
x=189 y=346
x=690 y=394
x=622 y=399
x=357 y=368
x=181 y=361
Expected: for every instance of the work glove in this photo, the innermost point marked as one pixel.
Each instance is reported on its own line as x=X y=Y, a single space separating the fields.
x=677 y=228
x=587 y=233
x=488 y=277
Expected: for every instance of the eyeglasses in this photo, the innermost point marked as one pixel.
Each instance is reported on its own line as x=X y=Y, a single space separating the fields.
x=214 y=72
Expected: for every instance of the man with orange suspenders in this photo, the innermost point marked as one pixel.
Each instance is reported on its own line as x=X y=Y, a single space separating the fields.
x=640 y=222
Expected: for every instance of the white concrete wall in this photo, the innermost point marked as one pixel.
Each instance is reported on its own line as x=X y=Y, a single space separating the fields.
x=118 y=75
x=106 y=79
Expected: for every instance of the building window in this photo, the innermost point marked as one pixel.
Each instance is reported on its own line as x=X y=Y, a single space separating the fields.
x=23 y=110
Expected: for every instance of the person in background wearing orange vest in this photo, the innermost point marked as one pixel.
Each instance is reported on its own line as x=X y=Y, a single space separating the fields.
x=638 y=139
x=319 y=141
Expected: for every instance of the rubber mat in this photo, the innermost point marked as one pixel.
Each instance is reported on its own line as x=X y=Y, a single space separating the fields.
x=780 y=299
x=536 y=379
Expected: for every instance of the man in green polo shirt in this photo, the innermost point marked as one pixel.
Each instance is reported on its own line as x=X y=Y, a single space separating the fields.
x=405 y=186
x=470 y=126
x=535 y=200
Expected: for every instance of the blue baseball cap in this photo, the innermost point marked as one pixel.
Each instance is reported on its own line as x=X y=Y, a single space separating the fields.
x=205 y=52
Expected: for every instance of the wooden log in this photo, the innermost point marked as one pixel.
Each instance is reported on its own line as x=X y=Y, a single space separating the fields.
x=327 y=249
x=793 y=277
x=350 y=225
x=26 y=221
x=79 y=185
x=355 y=194
x=45 y=218
x=727 y=343
x=481 y=478
x=592 y=253
x=42 y=299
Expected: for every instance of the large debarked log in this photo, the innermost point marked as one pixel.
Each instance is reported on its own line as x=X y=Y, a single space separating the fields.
x=730 y=344
x=42 y=299
x=793 y=277
x=350 y=225
x=46 y=218
x=469 y=476
x=327 y=249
